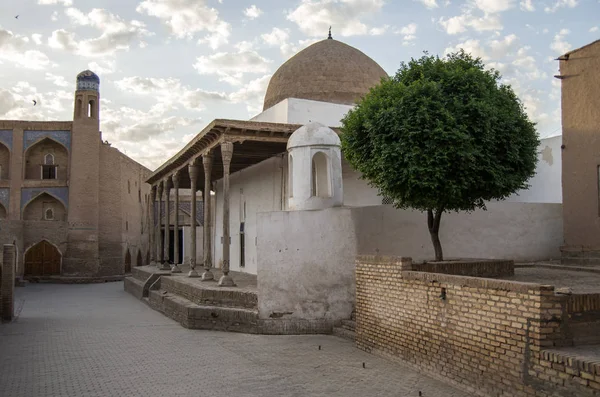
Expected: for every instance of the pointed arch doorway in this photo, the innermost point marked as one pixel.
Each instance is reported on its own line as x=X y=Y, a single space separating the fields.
x=43 y=259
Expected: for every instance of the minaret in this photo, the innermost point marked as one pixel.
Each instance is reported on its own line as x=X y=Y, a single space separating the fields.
x=82 y=254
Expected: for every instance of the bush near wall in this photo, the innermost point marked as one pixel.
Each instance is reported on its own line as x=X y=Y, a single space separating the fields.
x=485 y=336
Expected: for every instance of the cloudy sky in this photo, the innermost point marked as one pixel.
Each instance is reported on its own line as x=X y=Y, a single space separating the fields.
x=168 y=67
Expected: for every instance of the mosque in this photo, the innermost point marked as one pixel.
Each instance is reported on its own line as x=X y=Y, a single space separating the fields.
x=288 y=208
x=73 y=206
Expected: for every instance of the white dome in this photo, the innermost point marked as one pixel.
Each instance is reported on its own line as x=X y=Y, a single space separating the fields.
x=313 y=134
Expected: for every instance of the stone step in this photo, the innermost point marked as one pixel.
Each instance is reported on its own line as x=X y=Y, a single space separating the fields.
x=350 y=325
x=209 y=294
x=344 y=333
x=194 y=316
x=134 y=286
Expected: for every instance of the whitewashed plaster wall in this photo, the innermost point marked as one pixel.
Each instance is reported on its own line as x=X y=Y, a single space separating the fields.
x=306 y=264
x=260 y=186
x=546 y=185
x=306 y=258
x=303 y=111
x=508 y=230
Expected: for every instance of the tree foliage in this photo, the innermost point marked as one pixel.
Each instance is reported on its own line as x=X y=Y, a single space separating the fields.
x=442 y=135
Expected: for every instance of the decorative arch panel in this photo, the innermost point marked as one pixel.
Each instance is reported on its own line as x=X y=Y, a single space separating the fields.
x=61 y=194
x=32 y=137
x=6 y=137
x=44 y=207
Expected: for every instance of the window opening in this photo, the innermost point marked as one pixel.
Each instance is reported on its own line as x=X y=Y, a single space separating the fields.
x=321 y=185
x=49 y=214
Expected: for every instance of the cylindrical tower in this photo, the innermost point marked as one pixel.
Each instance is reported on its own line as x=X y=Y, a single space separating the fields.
x=315 y=168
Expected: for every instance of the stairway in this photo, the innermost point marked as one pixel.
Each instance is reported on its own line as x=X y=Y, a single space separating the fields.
x=347 y=328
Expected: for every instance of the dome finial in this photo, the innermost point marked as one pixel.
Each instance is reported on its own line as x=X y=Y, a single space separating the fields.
x=329 y=37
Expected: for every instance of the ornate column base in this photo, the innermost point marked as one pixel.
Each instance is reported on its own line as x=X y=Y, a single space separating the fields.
x=207 y=275
x=164 y=266
x=152 y=263
x=226 y=281
x=193 y=274
x=175 y=269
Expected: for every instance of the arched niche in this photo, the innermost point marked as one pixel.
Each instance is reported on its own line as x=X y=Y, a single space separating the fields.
x=291 y=175
x=139 y=261
x=3 y=213
x=46 y=159
x=127 y=261
x=321 y=181
x=44 y=207
x=4 y=162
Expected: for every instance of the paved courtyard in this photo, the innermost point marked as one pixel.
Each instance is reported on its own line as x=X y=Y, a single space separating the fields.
x=97 y=340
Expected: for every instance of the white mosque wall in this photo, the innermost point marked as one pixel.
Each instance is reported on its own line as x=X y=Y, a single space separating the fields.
x=304 y=111
x=260 y=188
x=275 y=114
x=306 y=258
x=546 y=185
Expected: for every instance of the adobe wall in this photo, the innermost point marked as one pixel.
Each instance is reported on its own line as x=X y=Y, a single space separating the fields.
x=581 y=154
x=485 y=336
x=123 y=214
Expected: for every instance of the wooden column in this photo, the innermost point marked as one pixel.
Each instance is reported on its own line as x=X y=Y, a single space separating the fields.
x=193 y=170
x=226 y=155
x=152 y=227
x=175 y=268
x=206 y=203
x=167 y=190
x=160 y=242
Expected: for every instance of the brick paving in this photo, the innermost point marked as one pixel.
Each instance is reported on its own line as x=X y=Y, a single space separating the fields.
x=97 y=340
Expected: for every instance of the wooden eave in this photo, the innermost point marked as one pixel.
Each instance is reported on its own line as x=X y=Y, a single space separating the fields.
x=253 y=142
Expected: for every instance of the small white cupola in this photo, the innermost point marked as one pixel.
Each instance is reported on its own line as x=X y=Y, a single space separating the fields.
x=315 y=168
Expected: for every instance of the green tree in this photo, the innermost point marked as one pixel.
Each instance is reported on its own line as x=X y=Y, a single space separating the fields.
x=442 y=135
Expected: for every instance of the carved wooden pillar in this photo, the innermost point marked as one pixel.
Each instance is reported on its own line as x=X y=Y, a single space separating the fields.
x=193 y=170
x=160 y=242
x=152 y=227
x=175 y=268
x=226 y=155
x=206 y=202
x=167 y=190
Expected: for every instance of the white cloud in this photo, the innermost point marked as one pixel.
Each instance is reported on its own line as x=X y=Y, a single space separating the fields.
x=116 y=34
x=186 y=18
x=13 y=48
x=494 y=6
x=17 y=104
x=408 y=33
x=559 y=44
x=231 y=66
x=503 y=47
x=527 y=5
x=379 y=31
x=54 y=16
x=253 y=12
x=594 y=29
x=461 y=23
x=169 y=92
x=103 y=67
x=49 y=2
x=252 y=94
x=57 y=80
x=314 y=17
x=470 y=46
x=37 y=38
x=561 y=4
x=430 y=3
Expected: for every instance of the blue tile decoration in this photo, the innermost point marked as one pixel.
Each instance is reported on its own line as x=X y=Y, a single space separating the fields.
x=5 y=197
x=88 y=80
x=31 y=137
x=185 y=206
x=29 y=193
x=6 y=137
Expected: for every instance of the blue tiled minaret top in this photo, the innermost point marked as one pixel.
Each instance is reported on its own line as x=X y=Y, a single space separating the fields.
x=88 y=80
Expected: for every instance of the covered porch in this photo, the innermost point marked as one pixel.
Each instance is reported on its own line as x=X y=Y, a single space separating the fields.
x=223 y=147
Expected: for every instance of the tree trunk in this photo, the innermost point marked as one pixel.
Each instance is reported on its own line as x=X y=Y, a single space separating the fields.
x=433 y=222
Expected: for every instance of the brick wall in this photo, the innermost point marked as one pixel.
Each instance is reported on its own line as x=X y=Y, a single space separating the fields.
x=475 y=268
x=7 y=283
x=483 y=335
